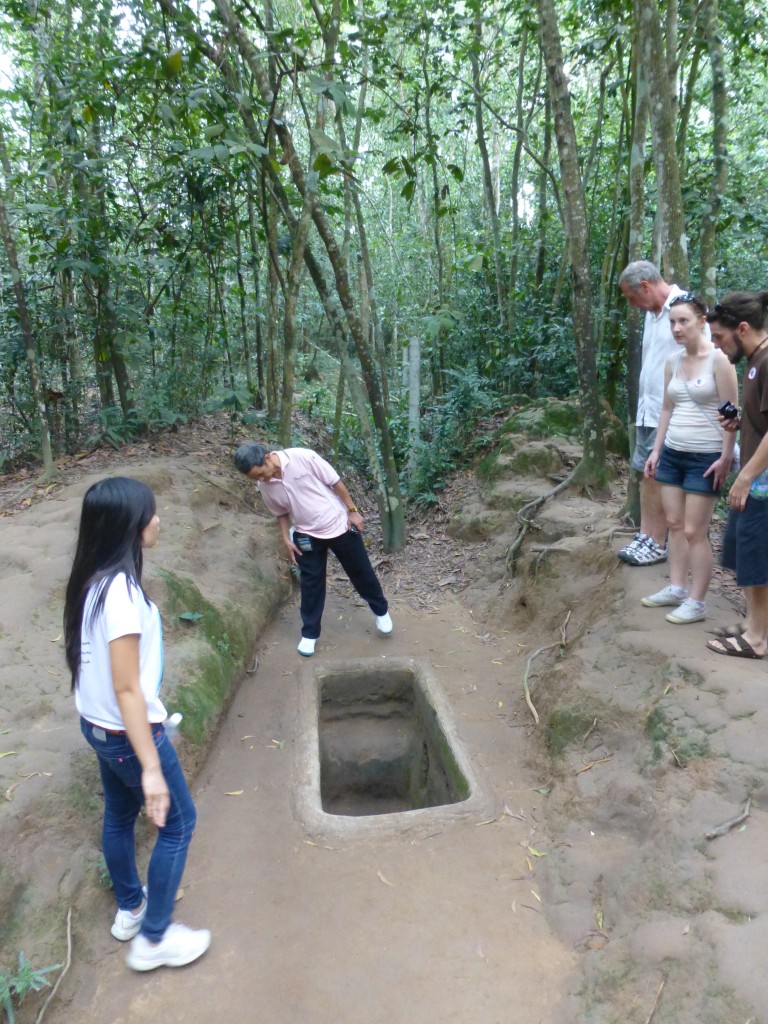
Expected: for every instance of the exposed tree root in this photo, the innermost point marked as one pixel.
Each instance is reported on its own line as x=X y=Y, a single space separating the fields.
x=526 y=523
x=562 y=642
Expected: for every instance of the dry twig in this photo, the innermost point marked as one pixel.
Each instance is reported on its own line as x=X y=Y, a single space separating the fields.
x=66 y=968
x=725 y=828
x=655 y=1006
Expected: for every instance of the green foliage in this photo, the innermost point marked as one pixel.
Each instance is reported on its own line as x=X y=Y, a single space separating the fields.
x=446 y=431
x=27 y=979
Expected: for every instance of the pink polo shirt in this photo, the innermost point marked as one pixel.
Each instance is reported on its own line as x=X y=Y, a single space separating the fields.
x=304 y=493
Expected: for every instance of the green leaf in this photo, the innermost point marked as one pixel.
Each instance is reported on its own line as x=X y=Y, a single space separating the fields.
x=324 y=142
x=206 y=153
x=474 y=263
x=324 y=165
x=408 y=189
x=392 y=166
x=190 y=616
x=212 y=130
x=456 y=171
x=172 y=64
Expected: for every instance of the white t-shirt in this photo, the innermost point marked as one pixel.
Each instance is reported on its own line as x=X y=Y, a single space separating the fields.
x=658 y=346
x=125 y=612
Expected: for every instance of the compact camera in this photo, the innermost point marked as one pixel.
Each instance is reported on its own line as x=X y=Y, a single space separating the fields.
x=728 y=411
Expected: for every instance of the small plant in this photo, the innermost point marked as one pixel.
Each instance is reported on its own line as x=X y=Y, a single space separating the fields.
x=27 y=979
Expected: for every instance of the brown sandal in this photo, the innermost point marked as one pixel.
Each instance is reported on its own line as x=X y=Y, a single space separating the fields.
x=734 y=647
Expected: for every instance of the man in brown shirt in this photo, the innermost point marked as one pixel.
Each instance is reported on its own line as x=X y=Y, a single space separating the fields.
x=738 y=328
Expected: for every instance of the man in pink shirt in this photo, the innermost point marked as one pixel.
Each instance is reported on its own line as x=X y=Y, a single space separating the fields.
x=304 y=491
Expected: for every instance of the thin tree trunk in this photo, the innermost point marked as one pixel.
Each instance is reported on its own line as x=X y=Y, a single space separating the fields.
x=662 y=114
x=592 y=469
x=488 y=189
x=720 y=156
x=27 y=332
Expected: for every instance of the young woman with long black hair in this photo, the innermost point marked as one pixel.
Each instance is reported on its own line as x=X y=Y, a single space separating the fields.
x=114 y=649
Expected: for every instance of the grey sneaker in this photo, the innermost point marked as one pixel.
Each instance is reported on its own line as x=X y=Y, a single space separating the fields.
x=180 y=945
x=648 y=553
x=627 y=553
x=128 y=924
x=669 y=595
x=689 y=611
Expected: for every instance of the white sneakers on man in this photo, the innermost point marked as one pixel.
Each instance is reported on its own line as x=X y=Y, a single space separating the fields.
x=306 y=647
x=384 y=624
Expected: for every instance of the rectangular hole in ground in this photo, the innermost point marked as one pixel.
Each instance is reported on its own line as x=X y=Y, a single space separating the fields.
x=382 y=748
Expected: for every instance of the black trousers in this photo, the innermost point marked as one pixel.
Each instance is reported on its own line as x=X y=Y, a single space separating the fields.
x=350 y=551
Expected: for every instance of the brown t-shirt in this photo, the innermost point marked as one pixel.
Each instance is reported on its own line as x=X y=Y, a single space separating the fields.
x=754 y=398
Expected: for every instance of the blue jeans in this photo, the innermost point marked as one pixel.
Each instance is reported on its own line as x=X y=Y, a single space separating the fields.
x=350 y=551
x=123 y=798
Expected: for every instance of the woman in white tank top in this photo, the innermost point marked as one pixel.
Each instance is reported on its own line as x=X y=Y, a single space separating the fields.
x=692 y=456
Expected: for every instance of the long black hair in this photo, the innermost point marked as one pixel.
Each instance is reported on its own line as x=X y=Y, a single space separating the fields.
x=115 y=513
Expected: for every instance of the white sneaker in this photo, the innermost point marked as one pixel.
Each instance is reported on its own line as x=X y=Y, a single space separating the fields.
x=689 y=611
x=306 y=647
x=126 y=923
x=669 y=595
x=384 y=624
x=180 y=945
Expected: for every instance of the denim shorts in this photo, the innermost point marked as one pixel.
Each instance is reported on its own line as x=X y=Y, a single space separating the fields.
x=645 y=438
x=686 y=470
x=745 y=543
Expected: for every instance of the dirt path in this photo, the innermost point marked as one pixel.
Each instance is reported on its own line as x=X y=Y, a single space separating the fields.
x=584 y=891
x=444 y=926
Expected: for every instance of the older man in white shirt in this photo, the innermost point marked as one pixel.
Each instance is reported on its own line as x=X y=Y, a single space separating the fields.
x=643 y=286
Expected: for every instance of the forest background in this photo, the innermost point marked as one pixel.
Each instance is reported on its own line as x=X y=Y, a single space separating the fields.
x=394 y=216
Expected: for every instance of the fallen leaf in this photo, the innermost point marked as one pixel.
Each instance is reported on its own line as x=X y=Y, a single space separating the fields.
x=248 y=737
x=535 y=853
x=57 y=638
x=383 y=879
x=179 y=895
x=530 y=865
x=488 y=821
x=278 y=743
x=497 y=662
x=535 y=895
x=308 y=842
x=7 y=753
x=235 y=792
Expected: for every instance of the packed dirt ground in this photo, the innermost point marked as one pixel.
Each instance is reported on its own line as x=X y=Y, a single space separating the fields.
x=580 y=887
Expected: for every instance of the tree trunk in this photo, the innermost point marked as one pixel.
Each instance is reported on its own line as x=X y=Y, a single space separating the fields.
x=592 y=469
x=488 y=189
x=720 y=153
x=663 y=105
x=30 y=346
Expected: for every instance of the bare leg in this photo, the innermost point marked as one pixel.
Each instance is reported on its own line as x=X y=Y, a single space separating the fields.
x=673 y=503
x=698 y=515
x=652 y=518
x=756 y=633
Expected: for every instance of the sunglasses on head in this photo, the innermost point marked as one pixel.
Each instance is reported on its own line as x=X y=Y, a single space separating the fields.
x=682 y=297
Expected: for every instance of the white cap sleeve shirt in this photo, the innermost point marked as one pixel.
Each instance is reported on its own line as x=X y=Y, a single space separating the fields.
x=125 y=612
